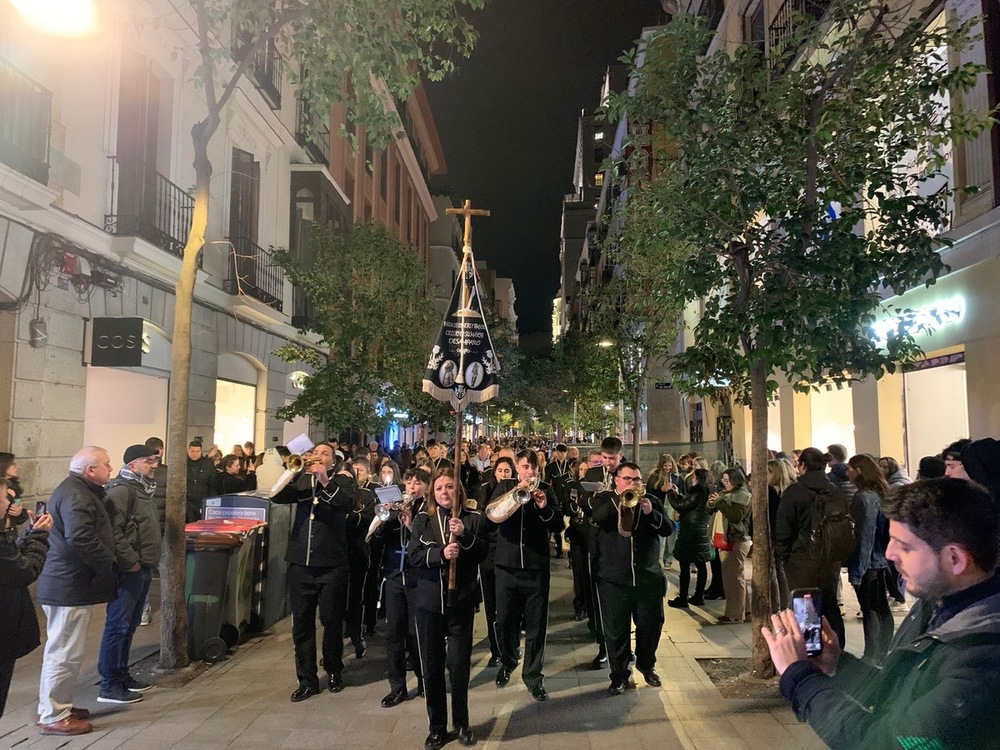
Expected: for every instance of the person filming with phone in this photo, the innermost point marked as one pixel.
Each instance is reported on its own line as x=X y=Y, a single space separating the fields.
x=940 y=683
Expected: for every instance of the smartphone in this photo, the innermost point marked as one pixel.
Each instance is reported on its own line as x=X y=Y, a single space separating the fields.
x=39 y=508
x=808 y=608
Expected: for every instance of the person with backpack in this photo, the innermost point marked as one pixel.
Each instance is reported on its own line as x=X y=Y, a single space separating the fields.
x=814 y=534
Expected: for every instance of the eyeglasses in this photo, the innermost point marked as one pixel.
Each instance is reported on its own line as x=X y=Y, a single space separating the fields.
x=631 y=480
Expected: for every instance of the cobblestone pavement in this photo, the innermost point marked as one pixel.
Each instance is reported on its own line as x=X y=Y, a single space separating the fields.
x=243 y=701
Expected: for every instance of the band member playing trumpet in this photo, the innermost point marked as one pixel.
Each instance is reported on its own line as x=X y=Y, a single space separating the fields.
x=396 y=591
x=522 y=570
x=630 y=581
x=318 y=566
x=446 y=531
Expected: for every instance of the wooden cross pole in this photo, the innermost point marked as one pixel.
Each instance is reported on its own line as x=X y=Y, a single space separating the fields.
x=468 y=212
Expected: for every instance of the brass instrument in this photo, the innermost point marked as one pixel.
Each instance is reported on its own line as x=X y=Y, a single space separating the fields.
x=297 y=463
x=385 y=510
x=507 y=504
x=627 y=504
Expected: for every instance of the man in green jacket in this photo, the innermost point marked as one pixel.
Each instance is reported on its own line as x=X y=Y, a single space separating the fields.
x=940 y=685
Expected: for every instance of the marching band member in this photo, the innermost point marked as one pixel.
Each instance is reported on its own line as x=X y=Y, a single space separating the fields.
x=630 y=581
x=358 y=521
x=318 y=567
x=522 y=573
x=447 y=530
x=502 y=469
x=399 y=640
x=579 y=533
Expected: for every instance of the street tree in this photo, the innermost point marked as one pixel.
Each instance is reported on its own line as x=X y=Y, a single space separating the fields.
x=370 y=310
x=580 y=379
x=361 y=52
x=791 y=195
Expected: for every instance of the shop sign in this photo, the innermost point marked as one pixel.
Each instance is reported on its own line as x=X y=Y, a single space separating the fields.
x=118 y=342
x=923 y=319
x=663 y=386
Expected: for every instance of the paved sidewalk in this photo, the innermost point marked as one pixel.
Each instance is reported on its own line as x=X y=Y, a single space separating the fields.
x=243 y=702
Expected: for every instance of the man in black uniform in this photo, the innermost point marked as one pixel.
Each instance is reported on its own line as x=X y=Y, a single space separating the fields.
x=603 y=466
x=358 y=521
x=522 y=573
x=630 y=581
x=556 y=474
x=318 y=567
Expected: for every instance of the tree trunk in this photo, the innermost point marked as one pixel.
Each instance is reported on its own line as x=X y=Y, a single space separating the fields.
x=762 y=553
x=173 y=616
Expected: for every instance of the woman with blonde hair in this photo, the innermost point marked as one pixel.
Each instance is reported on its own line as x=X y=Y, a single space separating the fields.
x=780 y=476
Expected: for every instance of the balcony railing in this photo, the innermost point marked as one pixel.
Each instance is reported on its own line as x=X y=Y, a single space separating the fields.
x=267 y=73
x=312 y=133
x=25 y=119
x=146 y=204
x=786 y=22
x=252 y=273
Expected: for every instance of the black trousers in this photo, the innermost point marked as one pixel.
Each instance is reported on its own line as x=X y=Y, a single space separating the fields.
x=6 y=675
x=594 y=620
x=822 y=576
x=715 y=587
x=357 y=582
x=523 y=595
x=579 y=559
x=446 y=640
x=323 y=589
x=488 y=584
x=878 y=623
x=399 y=638
x=684 y=581
x=372 y=582
x=620 y=605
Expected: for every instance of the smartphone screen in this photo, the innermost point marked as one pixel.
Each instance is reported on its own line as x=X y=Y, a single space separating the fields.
x=807 y=607
x=39 y=508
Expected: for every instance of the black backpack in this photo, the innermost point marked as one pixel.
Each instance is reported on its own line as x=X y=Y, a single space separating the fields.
x=832 y=537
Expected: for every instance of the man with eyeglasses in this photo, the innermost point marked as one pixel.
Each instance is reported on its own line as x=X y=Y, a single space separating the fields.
x=630 y=581
x=136 y=525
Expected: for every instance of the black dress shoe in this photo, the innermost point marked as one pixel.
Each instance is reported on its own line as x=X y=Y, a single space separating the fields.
x=336 y=683
x=436 y=740
x=652 y=679
x=696 y=600
x=715 y=595
x=677 y=603
x=539 y=694
x=465 y=736
x=360 y=648
x=304 y=692
x=617 y=686
x=395 y=698
x=503 y=676
x=493 y=662
x=600 y=660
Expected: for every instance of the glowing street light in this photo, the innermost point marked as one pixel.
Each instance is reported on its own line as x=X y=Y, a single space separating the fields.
x=65 y=18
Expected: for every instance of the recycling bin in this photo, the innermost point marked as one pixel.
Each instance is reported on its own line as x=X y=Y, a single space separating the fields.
x=222 y=586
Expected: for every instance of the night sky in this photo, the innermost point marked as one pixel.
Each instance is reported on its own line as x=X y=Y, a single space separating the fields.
x=507 y=121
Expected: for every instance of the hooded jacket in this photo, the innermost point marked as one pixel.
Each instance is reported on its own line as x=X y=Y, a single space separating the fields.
x=939 y=687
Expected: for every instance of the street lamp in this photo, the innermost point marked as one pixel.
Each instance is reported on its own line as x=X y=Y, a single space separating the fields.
x=65 y=18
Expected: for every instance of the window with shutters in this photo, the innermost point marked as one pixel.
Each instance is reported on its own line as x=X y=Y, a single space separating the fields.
x=251 y=272
x=25 y=120
x=144 y=202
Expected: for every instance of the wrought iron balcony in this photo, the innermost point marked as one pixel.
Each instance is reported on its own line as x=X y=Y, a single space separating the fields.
x=312 y=133
x=786 y=22
x=267 y=73
x=146 y=204
x=252 y=273
x=25 y=123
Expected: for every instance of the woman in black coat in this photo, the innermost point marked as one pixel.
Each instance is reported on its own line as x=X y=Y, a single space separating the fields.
x=692 y=547
x=446 y=531
x=20 y=563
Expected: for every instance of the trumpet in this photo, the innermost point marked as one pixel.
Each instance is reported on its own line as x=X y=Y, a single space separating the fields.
x=297 y=464
x=626 y=512
x=384 y=511
x=507 y=504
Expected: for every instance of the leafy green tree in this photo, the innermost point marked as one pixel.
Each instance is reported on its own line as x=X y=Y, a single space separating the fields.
x=581 y=374
x=344 y=46
x=783 y=194
x=373 y=318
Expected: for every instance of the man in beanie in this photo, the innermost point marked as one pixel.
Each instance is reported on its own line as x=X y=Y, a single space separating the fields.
x=978 y=460
x=136 y=525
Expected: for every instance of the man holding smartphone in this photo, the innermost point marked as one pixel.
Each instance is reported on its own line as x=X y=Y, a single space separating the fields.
x=939 y=686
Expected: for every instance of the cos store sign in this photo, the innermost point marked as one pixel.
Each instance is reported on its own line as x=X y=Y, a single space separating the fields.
x=118 y=342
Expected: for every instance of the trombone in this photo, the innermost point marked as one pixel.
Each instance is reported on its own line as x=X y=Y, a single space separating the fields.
x=627 y=504
x=507 y=504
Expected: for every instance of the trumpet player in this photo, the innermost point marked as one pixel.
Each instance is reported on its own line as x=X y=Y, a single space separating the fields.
x=630 y=581
x=318 y=567
x=396 y=591
x=448 y=531
x=522 y=573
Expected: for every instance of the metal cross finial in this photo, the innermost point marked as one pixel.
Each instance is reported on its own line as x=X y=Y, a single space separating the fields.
x=468 y=212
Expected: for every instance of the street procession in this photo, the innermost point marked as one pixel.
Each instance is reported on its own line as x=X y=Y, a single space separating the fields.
x=696 y=446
